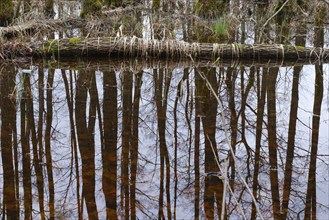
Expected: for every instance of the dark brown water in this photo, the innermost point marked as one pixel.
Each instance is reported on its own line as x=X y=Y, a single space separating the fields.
x=146 y=141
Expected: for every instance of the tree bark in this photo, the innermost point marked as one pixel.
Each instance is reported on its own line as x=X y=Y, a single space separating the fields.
x=137 y=47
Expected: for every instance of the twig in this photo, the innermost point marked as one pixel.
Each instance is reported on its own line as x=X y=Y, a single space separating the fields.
x=268 y=20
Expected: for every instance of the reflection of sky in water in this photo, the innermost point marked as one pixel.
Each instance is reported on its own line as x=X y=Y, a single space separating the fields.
x=304 y=124
x=148 y=177
x=148 y=170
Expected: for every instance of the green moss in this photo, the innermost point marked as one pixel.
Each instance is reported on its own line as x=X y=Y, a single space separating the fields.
x=75 y=40
x=301 y=48
x=156 y=4
x=242 y=46
x=51 y=46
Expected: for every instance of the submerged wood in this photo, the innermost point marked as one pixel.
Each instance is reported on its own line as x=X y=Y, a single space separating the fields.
x=138 y=47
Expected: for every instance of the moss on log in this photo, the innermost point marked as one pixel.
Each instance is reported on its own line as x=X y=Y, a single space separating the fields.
x=137 y=47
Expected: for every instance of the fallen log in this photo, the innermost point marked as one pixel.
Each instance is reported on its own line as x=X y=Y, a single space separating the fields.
x=172 y=49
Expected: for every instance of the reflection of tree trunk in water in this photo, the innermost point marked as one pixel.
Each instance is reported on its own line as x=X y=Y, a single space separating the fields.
x=109 y=153
x=300 y=41
x=36 y=160
x=85 y=131
x=15 y=144
x=231 y=75
x=41 y=110
x=134 y=143
x=272 y=144
x=213 y=185
x=40 y=126
x=261 y=95
x=310 y=209
x=198 y=84
x=188 y=121
x=49 y=161
x=25 y=133
x=291 y=142
x=180 y=84
x=244 y=96
x=161 y=94
x=126 y=138
x=8 y=117
x=69 y=99
x=175 y=149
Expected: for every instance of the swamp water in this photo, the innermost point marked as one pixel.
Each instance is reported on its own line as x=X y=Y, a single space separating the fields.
x=155 y=139
x=131 y=139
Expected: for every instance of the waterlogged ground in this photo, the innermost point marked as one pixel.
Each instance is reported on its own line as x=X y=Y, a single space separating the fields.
x=141 y=138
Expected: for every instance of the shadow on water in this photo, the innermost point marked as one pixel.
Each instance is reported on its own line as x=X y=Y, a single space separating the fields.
x=126 y=139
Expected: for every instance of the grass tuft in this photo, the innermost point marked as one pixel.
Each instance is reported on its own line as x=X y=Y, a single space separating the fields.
x=220 y=28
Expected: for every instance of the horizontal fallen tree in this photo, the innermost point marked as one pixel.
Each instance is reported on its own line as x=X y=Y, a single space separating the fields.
x=172 y=49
